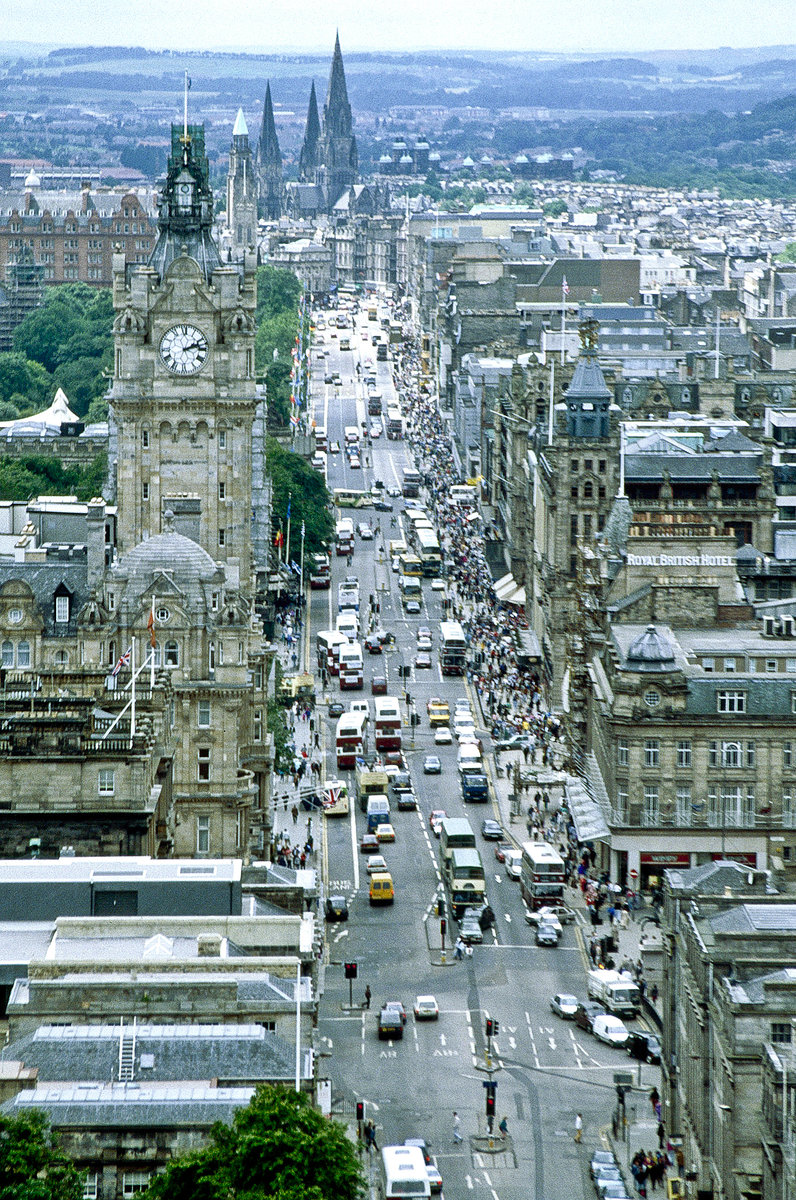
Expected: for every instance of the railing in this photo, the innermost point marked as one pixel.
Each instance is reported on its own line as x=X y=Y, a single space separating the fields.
x=618 y=818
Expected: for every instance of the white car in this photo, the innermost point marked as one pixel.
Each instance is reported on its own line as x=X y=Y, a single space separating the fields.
x=465 y=731
x=564 y=1005
x=375 y=430
x=365 y=532
x=610 y=1030
x=376 y=863
x=512 y=863
x=438 y=585
x=443 y=737
x=426 y=1008
x=545 y=916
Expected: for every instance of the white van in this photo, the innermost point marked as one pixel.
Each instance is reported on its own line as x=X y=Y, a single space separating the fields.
x=348 y=624
x=469 y=760
x=610 y=1029
x=362 y=706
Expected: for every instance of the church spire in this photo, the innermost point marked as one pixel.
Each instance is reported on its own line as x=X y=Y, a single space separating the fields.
x=338 y=161
x=337 y=110
x=308 y=159
x=269 y=163
x=268 y=147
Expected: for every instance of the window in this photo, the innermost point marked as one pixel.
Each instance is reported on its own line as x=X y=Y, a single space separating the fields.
x=650 y=814
x=240 y=654
x=111 y=601
x=7 y=654
x=240 y=828
x=214 y=601
x=23 y=654
x=781 y=1033
x=731 y=754
x=652 y=753
x=601 y=466
x=622 y=752
x=713 y=754
x=172 y=654
x=211 y=657
x=621 y=804
x=106 y=782
x=15 y=615
x=204 y=718
x=772 y=666
x=573 y=466
x=203 y=835
x=787 y=755
x=588 y=490
x=222 y=537
x=573 y=492
x=790 y=664
x=145 y=438
x=222 y=490
x=61 y=658
x=793 y=702
x=257 y=678
x=573 y=528
x=750 y=754
x=684 y=806
x=587 y=464
x=788 y=810
x=91 y=1186
x=708 y=664
x=652 y=698
x=222 y=439
x=257 y=725
x=684 y=754
x=587 y=525
x=729 y=665
x=203 y=764
x=144 y=491
x=221 y=654
x=134 y=1182
x=61 y=610
x=731 y=702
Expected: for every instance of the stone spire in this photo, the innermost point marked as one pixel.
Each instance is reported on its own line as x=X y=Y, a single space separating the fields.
x=308 y=160
x=241 y=189
x=337 y=157
x=269 y=163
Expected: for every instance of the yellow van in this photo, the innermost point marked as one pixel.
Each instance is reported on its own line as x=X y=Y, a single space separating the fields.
x=381 y=889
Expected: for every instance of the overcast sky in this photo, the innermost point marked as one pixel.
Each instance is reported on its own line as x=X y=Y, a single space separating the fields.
x=309 y=25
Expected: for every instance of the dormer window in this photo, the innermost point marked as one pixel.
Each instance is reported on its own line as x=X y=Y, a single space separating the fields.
x=61 y=610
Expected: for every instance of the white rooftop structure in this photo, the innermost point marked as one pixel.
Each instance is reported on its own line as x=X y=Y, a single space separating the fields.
x=41 y=425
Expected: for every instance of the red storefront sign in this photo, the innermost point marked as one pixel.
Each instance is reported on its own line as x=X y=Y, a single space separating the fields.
x=747 y=857
x=664 y=859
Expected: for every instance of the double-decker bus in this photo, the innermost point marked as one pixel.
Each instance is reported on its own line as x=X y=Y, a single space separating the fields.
x=429 y=552
x=351 y=666
x=321 y=571
x=387 y=723
x=395 y=423
x=325 y=642
x=344 y=536
x=410 y=483
x=541 y=876
x=350 y=739
x=456 y=833
x=466 y=880
x=452 y=648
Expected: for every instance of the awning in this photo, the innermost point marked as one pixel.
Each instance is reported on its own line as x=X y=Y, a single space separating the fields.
x=508 y=591
x=528 y=645
x=586 y=814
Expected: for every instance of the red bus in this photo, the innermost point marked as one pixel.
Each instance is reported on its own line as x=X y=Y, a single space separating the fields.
x=387 y=723
x=350 y=739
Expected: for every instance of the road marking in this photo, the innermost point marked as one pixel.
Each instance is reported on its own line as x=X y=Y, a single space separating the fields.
x=551 y=1041
x=342 y=934
x=513 y=1043
x=468 y=1180
x=487 y=1180
x=533 y=1040
x=508 y=917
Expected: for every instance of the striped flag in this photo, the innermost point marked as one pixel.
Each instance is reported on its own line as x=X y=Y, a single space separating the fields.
x=124 y=661
x=565 y=286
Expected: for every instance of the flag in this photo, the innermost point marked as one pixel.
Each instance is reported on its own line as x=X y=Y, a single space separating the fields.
x=565 y=286
x=295 y=567
x=279 y=538
x=124 y=661
x=289 y=502
x=150 y=624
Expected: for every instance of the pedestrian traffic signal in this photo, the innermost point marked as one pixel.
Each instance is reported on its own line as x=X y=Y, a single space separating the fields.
x=350 y=970
x=360 y=1111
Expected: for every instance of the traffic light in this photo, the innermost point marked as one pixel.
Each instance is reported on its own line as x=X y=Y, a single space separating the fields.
x=440 y=906
x=360 y=1111
x=491 y=1088
x=489 y=1027
x=443 y=925
x=408 y=700
x=350 y=970
x=495 y=1028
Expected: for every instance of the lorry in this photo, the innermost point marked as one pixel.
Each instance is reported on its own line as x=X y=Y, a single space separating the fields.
x=370 y=783
x=616 y=991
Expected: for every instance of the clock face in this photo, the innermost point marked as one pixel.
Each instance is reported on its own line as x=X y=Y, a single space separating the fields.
x=183 y=349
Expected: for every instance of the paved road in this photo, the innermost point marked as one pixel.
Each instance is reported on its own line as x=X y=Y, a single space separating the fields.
x=547 y=1069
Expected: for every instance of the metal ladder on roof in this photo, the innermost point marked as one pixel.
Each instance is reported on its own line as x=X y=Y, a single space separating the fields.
x=127 y=1051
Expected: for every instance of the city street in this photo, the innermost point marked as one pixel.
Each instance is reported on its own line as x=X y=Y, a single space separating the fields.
x=547 y=1069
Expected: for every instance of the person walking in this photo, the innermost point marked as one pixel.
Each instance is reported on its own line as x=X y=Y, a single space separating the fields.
x=458 y=949
x=578 y=1127
x=367 y=996
x=504 y=1128
x=294 y=813
x=457 y=1129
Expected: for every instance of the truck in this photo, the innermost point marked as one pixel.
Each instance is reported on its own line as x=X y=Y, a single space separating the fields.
x=475 y=789
x=616 y=991
x=370 y=783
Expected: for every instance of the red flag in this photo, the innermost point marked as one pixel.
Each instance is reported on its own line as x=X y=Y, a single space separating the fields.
x=150 y=624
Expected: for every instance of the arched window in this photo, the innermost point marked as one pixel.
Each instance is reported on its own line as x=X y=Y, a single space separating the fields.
x=7 y=654
x=172 y=654
x=61 y=658
x=23 y=654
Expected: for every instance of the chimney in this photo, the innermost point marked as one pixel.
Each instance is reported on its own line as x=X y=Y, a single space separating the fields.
x=95 y=542
x=208 y=945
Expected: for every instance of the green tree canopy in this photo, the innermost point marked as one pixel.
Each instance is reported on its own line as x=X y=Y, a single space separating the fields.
x=278 y=295
x=294 y=478
x=32 y=1165
x=19 y=376
x=278 y=1147
x=40 y=475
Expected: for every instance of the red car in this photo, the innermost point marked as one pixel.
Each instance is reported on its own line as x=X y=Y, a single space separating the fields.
x=501 y=850
x=378 y=686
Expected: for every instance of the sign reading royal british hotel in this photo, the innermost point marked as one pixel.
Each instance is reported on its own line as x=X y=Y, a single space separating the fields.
x=680 y=560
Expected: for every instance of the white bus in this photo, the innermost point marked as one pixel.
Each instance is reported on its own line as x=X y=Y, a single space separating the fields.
x=351 y=666
x=387 y=723
x=453 y=648
x=403 y=1172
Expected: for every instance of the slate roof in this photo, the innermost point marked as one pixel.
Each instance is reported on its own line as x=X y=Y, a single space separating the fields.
x=130 y=1105
x=754 y=990
x=756 y=918
x=697 y=468
x=44 y=579
x=163 y=1053
x=713 y=878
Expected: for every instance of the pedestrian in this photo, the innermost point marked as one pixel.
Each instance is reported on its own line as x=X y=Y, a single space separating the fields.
x=654 y=1098
x=458 y=948
x=367 y=996
x=294 y=813
x=457 y=1128
x=578 y=1127
x=661 y=1132
x=654 y=993
x=504 y=1128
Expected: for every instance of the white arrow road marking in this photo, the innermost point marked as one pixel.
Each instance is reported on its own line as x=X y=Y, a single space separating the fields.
x=552 y=1043
x=468 y=1180
x=512 y=1028
x=498 y=879
x=508 y=917
x=442 y=1041
x=342 y=934
x=513 y=1043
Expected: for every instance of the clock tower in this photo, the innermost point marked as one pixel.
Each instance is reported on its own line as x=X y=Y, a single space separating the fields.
x=183 y=395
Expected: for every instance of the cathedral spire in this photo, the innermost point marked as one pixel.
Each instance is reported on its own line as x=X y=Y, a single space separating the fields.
x=337 y=110
x=338 y=161
x=269 y=163
x=308 y=160
x=268 y=147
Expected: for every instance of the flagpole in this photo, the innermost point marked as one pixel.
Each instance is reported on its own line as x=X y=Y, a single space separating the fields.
x=301 y=576
x=151 y=628
x=132 y=707
x=552 y=400
x=563 y=316
x=287 y=540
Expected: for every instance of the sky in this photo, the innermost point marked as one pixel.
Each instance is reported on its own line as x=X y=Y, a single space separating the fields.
x=596 y=26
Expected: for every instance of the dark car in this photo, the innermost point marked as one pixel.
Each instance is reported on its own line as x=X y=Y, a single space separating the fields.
x=373 y=644
x=336 y=908
x=644 y=1046
x=585 y=1013
x=336 y=709
x=491 y=830
x=369 y=844
x=407 y=801
x=378 y=685
x=382 y=505
x=390 y=1024
x=401 y=782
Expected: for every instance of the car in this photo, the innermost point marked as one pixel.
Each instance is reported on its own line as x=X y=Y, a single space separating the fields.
x=382 y=505
x=425 y=632
x=502 y=849
x=373 y=644
x=514 y=741
x=412 y=608
x=396 y=1006
x=369 y=843
x=435 y=819
x=546 y=935
x=334 y=447
x=328 y=379
x=464 y=704
x=375 y=430
x=376 y=862
x=465 y=732
x=354 y=462
x=434 y=702
x=336 y=908
x=607 y=1180
x=385 y=832
x=390 y=1024
x=610 y=1029
x=423 y=661
x=400 y=781
x=336 y=709
x=393 y=491
x=611 y=1190
x=546 y=916
x=442 y=737
x=586 y=1012
x=424 y=642
x=470 y=927
x=512 y=862
x=438 y=585
x=378 y=685
x=607 y=1171
x=365 y=532
x=644 y=1046
x=432 y=765
x=564 y=1005
x=491 y=830
x=602 y=1158
x=426 y=1008
x=407 y=801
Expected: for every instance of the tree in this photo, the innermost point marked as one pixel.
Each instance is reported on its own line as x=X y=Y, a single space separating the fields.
x=32 y=1165
x=20 y=376
x=278 y=1147
x=294 y=479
